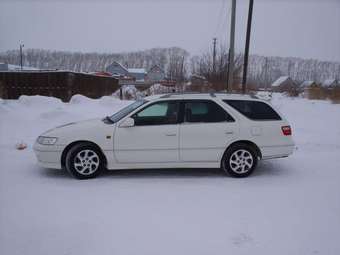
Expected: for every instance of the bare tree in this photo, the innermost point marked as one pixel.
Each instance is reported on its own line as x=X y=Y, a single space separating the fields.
x=203 y=65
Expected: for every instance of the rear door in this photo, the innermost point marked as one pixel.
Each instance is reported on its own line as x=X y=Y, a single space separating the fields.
x=205 y=132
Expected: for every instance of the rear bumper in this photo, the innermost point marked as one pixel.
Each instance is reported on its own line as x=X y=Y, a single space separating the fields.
x=48 y=156
x=269 y=152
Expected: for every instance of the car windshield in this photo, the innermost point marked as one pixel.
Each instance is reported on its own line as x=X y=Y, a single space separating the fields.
x=126 y=110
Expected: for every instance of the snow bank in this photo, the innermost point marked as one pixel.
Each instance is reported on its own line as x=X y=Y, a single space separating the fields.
x=26 y=118
x=129 y=92
x=79 y=99
x=158 y=89
x=289 y=206
x=264 y=95
x=39 y=101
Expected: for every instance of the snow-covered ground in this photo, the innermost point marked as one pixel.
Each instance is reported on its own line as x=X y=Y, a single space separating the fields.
x=289 y=206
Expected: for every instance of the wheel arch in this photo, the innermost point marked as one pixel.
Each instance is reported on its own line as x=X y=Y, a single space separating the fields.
x=69 y=146
x=250 y=143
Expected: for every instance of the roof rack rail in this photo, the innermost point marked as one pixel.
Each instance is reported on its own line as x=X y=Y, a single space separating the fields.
x=212 y=94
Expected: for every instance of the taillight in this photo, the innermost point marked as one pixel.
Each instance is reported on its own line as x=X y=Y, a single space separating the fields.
x=286 y=130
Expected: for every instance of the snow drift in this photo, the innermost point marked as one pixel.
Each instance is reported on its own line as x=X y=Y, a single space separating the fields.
x=289 y=206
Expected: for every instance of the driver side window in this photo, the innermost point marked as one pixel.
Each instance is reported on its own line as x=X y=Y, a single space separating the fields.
x=161 y=113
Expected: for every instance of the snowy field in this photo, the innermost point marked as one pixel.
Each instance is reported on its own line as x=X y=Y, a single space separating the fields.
x=289 y=206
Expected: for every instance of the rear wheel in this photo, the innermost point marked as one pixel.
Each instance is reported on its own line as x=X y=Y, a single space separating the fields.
x=239 y=160
x=84 y=161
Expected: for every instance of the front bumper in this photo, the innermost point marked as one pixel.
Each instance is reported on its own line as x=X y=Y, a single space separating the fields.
x=48 y=156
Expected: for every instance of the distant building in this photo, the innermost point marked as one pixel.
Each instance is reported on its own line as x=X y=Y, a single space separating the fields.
x=308 y=84
x=198 y=79
x=198 y=83
x=118 y=70
x=284 y=84
x=156 y=74
x=60 y=84
x=9 y=67
x=138 y=73
x=100 y=73
x=330 y=83
x=312 y=90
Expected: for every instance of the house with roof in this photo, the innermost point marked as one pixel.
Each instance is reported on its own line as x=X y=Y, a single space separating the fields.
x=331 y=88
x=330 y=84
x=312 y=90
x=116 y=69
x=138 y=73
x=308 y=84
x=9 y=67
x=156 y=74
x=284 y=84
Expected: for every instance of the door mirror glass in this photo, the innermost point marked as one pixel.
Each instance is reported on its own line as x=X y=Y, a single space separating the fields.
x=129 y=122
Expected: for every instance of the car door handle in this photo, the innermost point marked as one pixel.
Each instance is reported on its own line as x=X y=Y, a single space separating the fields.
x=229 y=132
x=169 y=134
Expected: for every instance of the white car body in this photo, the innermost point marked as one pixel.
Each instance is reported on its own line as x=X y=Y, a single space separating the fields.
x=182 y=145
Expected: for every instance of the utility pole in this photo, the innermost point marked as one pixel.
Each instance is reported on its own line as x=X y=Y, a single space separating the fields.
x=214 y=55
x=289 y=68
x=21 y=46
x=231 y=46
x=266 y=73
x=246 y=51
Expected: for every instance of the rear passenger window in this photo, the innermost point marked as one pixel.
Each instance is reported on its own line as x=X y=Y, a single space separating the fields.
x=254 y=110
x=205 y=111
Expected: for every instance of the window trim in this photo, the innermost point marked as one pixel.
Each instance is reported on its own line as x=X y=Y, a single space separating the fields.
x=245 y=100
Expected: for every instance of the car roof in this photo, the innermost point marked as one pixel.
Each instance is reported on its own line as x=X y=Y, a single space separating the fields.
x=222 y=96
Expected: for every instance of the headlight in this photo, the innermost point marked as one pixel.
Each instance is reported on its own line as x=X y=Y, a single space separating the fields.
x=47 y=140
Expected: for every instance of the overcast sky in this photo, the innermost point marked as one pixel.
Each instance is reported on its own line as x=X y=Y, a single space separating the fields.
x=300 y=28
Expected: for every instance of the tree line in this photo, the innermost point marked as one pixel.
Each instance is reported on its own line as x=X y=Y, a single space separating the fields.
x=178 y=64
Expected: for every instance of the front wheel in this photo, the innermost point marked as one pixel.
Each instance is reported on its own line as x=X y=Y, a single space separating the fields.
x=240 y=160
x=84 y=161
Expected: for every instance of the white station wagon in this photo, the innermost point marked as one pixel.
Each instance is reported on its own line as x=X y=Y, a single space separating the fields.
x=215 y=130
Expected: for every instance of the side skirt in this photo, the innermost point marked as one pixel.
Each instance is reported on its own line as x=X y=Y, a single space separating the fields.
x=165 y=165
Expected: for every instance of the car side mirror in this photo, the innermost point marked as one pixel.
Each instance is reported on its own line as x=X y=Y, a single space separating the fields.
x=129 y=122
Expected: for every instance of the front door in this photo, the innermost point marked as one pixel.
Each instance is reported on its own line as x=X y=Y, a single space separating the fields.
x=153 y=138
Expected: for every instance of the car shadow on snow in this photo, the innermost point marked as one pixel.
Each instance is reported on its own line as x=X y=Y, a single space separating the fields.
x=53 y=173
x=264 y=168
x=165 y=173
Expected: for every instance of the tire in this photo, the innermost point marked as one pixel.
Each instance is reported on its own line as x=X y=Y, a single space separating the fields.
x=239 y=160
x=84 y=161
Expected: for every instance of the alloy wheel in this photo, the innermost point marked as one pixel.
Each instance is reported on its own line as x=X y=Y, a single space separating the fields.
x=86 y=162
x=241 y=161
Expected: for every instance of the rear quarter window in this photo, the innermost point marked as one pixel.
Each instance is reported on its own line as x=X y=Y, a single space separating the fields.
x=254 y=110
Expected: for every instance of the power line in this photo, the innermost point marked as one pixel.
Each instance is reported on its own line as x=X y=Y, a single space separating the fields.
x=223 y=22
x=220 y=18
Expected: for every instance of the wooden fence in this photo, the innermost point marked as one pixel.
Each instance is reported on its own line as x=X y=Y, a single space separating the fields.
x=60 y=84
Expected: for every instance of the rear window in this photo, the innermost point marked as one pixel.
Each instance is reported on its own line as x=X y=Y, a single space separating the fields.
x=254 y=110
